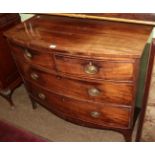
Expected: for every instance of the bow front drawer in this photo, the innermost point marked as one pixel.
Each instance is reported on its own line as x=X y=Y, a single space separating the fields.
x=43 y=59
x=101 y=114
x=97 y=69
x=106 y=91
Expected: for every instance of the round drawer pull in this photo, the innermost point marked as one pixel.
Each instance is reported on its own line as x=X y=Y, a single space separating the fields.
x=42 y=96
x=34 y=76
x=95 y=114
x=59 y=77
x=90 y=68
x=27 y=54
x=93 y=92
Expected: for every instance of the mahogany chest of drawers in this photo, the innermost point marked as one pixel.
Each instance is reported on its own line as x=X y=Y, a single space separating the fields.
x=9 y=77
x=85 y=71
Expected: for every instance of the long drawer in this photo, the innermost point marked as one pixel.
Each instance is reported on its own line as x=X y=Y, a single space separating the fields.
x=101 y=114
x=105 y=91
x=96 y=69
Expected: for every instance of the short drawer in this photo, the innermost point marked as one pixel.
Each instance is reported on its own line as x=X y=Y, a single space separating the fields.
x=100 y=114
x=43 y=59
x=105 y=91
x=91 y=68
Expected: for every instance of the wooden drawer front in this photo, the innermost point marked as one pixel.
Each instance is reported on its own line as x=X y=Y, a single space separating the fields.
x=101 y=114
x=108 y=70
x=43 y=59
x=109 y=92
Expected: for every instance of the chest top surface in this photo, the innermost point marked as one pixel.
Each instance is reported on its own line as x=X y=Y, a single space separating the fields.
x=82 y=36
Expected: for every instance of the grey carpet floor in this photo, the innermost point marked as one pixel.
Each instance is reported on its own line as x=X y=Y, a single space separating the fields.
x=44 y=123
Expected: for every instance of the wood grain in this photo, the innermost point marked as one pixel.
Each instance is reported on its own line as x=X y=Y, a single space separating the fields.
x=43 y=59
x=111 y=116
x=107 y=70
x=110 y=92
x=57 y=72
x=96 y=38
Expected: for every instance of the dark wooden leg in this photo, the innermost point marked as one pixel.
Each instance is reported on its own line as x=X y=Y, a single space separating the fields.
x=127 y=135
x=34 y=104
x=7 y=94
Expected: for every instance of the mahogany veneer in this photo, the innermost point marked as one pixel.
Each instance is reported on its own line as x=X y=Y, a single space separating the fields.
x=85 y=71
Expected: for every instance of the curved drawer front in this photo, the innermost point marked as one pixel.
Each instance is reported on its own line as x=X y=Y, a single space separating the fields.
x=101 y=114
x=109 y=92
x=108 y=70
x=43 y=59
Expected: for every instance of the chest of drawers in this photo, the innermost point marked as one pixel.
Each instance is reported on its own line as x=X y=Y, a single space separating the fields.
x=84 y=71
x=9 y=77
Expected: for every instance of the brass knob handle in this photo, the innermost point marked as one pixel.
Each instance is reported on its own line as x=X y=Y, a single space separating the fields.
x=59 y=77
x=34 y=76
x=95 y=114
x=94 y=92
x=90 y=68
x=42 y=96
x=27 y=54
